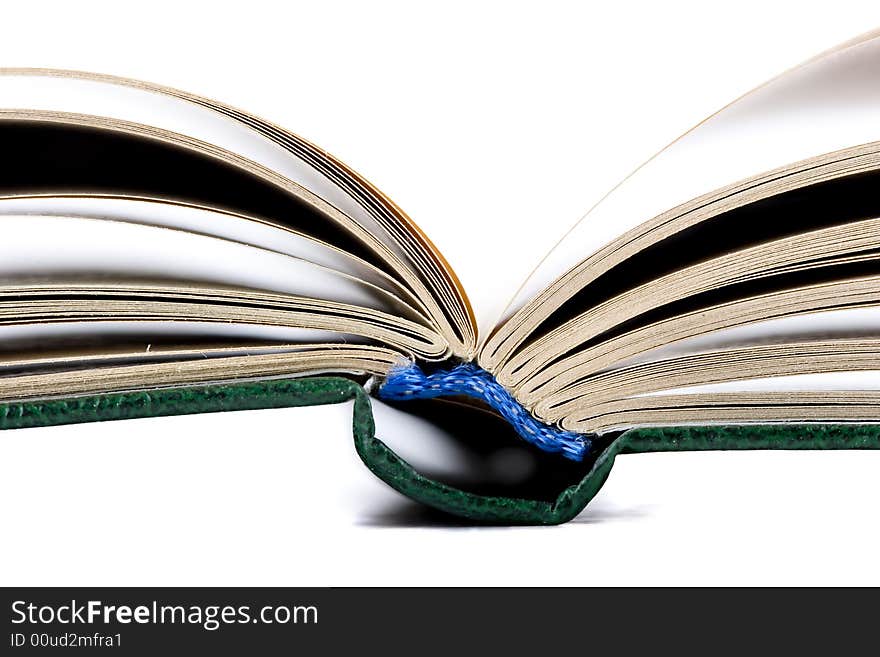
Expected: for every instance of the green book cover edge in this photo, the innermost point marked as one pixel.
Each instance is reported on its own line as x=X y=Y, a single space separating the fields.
x=396 y=472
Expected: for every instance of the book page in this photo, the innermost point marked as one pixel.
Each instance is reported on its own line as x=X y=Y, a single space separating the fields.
x=225 y=225
x=826 y=104
x=43 y=246
x=346 y=195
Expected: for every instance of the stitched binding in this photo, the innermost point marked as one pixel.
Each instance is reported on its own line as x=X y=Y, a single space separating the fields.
x=407 y=381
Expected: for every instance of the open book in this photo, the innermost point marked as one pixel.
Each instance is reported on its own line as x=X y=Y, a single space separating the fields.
x=165 y=253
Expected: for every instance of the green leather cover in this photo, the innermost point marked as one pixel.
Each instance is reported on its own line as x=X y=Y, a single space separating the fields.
x=396 y=472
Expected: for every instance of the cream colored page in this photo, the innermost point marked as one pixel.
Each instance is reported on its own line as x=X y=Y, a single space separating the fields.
x=171 y=110
x=41 y=246
x=18 y=336
x=202 y=221
x=862 y=380
x=826 y=325
x=829 y=103
x=102 y=96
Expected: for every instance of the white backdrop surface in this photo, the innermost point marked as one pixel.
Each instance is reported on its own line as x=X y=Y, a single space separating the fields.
x=482 y=120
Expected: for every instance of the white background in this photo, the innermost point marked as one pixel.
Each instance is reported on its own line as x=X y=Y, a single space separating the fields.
x=499 y=121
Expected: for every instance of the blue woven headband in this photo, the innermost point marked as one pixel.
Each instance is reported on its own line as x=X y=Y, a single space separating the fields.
x=407 y=382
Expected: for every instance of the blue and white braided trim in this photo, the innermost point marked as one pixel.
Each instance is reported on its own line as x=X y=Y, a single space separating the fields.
x=407 y=381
